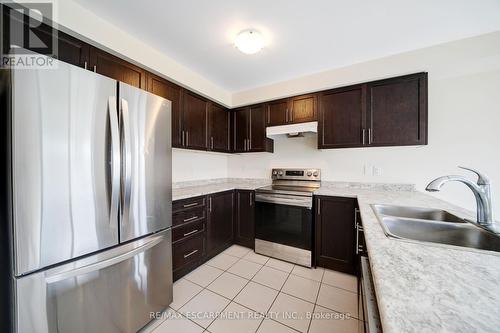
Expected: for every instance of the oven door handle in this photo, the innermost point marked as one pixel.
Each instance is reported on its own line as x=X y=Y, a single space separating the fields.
x=288 y=200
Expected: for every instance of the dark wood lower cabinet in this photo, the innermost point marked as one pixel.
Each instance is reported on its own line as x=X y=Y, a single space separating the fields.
x=219 y=222
x=244 y=224
x=335 y=233
x=187 y=254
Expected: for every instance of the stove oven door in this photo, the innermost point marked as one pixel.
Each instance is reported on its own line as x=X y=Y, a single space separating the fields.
x=284 y=220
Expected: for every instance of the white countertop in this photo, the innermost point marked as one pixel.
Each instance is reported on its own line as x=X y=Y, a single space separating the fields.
x=420 y=287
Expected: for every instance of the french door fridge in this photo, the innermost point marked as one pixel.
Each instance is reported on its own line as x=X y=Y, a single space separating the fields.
x=89 y=190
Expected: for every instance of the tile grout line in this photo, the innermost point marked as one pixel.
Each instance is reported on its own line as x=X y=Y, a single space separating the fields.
x=205 y=288
x=232 y=300
x=316 y=301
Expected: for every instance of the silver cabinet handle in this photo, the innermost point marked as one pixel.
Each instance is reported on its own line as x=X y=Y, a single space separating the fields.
x=187 y=138
x=211 y=142
x=319 y=206
x=95 y=68
x=369 y=136
x=190 y=219
x=127 y=169
x=190 y=233
x=115 y=160
x=356 y=211
x=291 y=114
x=286 y=115
x=85 y=65
x=182 y=138
x=210 y=204
x=190 y=205
x=268 y=116
x=364 y=131
x=190 y=254
x=357 y=239
x=251 y=194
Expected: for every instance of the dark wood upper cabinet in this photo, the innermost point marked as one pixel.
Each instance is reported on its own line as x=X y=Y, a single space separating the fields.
x=303 y=108
x=240 y=129
x=220 y=221
x=173 y=93
x=335 y=233
x=391 y=112
x=244 y=225
x=108 y=65
x=277 y=112
x=219 y=122
x=298 y=109
x=397 y=111
x=341 y=117
x=257 y=129
x=194 y=121
x=249 y=130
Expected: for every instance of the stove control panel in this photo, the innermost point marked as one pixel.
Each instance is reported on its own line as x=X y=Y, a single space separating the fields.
x=296 y=174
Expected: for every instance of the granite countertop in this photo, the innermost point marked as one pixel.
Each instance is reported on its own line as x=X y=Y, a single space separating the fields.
x=425 y=287
x=420 y=287
x=191 y=189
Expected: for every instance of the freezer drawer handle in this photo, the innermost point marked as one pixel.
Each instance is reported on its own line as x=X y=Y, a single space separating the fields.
x=191 y=218
x=190 y=205
x=190 y=233
x=190 y=254
x=70 y=273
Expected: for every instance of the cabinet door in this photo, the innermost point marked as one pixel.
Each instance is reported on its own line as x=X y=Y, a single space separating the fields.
x=220 y=221
x=397 y=111
x=194 y=121
x=277 y=112
x=244 y=225
x=240 y=129
x=219 y=125
x=108 y=65
x=257 y=136
x=335 y=233
x=173 y=93
x=303 y=108
x=341 y=117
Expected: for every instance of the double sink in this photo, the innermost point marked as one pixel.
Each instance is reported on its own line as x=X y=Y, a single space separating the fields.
x=435 y=226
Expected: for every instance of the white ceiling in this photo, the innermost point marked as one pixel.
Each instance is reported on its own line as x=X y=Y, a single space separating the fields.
x=303 y=36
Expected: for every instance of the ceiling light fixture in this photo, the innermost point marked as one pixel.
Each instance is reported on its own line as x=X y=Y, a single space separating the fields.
x=249 y=41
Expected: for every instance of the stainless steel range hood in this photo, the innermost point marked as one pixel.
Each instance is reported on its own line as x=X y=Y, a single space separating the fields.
x=292 y=130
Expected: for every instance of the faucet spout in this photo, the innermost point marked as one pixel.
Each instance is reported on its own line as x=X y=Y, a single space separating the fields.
x=481 y=192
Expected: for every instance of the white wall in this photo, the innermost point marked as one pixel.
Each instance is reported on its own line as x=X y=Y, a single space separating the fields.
x=195 y=165
x=464 y=122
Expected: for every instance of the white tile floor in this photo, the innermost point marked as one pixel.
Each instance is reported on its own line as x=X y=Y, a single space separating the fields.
x=240 y=291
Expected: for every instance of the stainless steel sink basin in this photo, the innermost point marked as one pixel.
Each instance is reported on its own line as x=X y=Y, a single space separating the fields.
x=418 y=213
x=434 y=226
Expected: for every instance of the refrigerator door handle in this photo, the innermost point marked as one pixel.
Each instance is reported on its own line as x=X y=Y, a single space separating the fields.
x=105 y=262
x=115 y=161
x=126 y=161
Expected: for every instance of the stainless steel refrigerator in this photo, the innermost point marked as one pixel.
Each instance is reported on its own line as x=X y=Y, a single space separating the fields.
x=89 y=200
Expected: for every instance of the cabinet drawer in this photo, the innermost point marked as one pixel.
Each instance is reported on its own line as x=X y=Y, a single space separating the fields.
x=180 y=205
x=190 y=215
x=187 y=229
x=187 y=251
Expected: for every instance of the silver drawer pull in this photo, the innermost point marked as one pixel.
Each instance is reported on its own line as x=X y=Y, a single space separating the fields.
x=190 y=254
x=191 y=218
x=190 y=205
x=190 y=233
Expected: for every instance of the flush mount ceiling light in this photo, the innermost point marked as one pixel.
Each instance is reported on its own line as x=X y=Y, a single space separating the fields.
x=249 y=41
